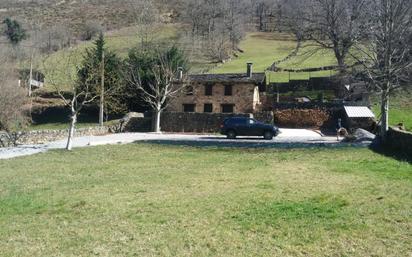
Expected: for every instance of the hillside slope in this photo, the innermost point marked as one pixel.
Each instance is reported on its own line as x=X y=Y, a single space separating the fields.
x=112 y=14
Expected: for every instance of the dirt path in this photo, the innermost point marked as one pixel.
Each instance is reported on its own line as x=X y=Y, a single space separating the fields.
x=289 y=137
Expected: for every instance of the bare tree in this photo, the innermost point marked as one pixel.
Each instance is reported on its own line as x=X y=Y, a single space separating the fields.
x=217 y=47
x=234 y=21
x=166 y=81
x=73 y=95
x=13 y=100
x=147 y=19
x=267 y=12
x=332 y=24
x=91 y=29
x=218 y=24
x=386 y=56
x=52 y=39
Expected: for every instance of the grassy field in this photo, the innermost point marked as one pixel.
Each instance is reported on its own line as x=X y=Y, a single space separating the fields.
x=120 y=41
x=400 y=107
x=260 y=48
x=151 y=200
x=263 y=49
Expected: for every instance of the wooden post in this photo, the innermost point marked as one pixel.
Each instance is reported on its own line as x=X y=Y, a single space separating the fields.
x=31 y=72
x=101 y=113
x=278 y=94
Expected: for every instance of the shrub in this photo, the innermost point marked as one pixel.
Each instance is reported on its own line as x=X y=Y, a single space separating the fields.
x=90 y=30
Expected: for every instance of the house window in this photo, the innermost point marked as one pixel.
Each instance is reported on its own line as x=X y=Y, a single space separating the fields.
x=189 y=107
x=208 y=108
x=228 y=90
x=228 y=108
x=189 y=90
x=208 y=90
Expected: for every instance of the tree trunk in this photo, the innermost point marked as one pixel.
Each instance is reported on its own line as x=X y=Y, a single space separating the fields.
x=341 y=62
x=156 y=128
x=101 y=115
x=73 y=121
x=385 y=116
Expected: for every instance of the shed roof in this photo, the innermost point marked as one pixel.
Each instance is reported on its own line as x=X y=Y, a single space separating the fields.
x=359 y=112
x=229 y=77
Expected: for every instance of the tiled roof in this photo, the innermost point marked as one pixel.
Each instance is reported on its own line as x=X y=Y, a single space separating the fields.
x=228 y=77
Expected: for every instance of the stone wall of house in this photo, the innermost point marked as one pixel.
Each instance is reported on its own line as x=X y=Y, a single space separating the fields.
x=400 y=140
x=45 y=136
x=245 y=97
x=194 y=122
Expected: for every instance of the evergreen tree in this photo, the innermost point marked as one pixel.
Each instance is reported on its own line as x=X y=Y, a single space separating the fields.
x=14 y=31
x=90 y=75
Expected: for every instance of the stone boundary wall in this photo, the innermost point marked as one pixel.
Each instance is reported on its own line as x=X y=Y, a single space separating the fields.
x=138 y=124
x=195 y=122
x=400 y=140
x=45 y=136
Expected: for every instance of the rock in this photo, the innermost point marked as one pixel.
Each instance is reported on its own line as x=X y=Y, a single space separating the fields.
x=131 y=115
x=362 y=135
x=400 y=126
x=131 y=122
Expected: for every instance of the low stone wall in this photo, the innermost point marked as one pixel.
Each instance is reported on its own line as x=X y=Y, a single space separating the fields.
x=138 y=124
x=400 y=140
x=45 y=136
x=194 y=122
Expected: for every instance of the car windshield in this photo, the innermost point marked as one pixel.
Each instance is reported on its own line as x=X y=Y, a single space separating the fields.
x=252 y=121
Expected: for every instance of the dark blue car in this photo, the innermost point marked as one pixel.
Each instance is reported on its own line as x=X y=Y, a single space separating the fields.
x=242 y=126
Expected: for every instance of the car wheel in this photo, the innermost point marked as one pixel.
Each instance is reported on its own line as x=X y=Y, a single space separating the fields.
x=231 y=134
x=268 y=135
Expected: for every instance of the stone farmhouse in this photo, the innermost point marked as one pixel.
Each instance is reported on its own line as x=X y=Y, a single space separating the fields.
x=221 y=93
x=210 y=98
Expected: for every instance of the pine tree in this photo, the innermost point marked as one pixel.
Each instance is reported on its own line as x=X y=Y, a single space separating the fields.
x=90 y=75
x=14 y=31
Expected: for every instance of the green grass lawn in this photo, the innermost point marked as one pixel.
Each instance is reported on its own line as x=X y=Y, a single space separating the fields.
x=151 y=200
x=400 y=107
x=260 y=48
x=263 y=49
x=119 y=41
x=314 y=94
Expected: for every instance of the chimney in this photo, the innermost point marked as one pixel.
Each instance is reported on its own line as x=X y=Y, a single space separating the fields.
x=249 y=72
x=180 y=73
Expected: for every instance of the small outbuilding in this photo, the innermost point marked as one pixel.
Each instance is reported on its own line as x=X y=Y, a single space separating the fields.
x=359 y=117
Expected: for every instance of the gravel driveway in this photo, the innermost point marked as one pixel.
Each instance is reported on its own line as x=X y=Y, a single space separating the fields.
x=287 y=137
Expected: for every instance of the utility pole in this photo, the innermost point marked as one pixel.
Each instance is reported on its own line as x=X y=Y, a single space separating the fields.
x=31 y=72
x=101 y=114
